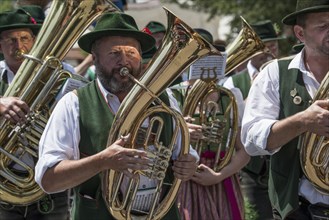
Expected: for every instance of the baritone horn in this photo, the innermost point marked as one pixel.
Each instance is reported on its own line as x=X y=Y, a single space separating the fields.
x=314 y=150
x=215 y=109
x=181 y=47
x=219 y=118
x=37 y=83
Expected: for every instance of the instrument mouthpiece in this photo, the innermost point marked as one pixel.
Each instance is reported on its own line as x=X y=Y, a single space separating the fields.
x=19 y=54
x=124 y=71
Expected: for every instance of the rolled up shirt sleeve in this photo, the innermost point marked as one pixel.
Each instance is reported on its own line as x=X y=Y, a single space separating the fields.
x=59 y=140
x=261 y=111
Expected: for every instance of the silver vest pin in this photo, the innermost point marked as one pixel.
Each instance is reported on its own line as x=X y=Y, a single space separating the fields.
x=296 y=98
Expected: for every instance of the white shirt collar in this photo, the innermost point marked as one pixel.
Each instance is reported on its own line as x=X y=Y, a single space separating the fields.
x=298 y=63
x=111 y=99
x=251 y=70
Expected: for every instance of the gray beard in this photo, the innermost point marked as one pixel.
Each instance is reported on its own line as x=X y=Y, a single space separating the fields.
x=111 y=84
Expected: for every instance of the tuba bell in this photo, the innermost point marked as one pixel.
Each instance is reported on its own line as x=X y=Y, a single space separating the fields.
x=314 y=150
x=245 y=46
x=181 y=47
x=37 y=82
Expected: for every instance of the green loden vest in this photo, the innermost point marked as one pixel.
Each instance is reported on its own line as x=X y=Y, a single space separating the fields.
x=179 y=95
x=285 y=168
x=94 y=111
x=243 y=82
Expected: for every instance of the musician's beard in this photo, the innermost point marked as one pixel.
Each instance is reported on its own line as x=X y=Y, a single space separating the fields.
x=111 y=81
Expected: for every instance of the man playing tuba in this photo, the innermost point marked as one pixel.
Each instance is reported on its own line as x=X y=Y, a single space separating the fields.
x=74 y=144
x=18 y=30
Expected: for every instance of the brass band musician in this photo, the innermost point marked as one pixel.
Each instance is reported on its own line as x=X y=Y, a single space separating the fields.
x=18 y=30
x=73 y=146
x=278 y=111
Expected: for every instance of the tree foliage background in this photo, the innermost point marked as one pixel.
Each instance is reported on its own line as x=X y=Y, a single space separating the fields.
x=6 y=5
x=252 y=10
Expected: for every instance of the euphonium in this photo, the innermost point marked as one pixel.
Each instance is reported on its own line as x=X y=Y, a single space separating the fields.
x=214 y=107
x=181 y=47
x=314 y=150
x=220 y=118
x=37 y=82
x=245 y=46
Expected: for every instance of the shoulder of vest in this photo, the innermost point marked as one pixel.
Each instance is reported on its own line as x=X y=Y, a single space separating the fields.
x=288 y=58
x=240 y=74
x=86 y=88
x=241 y=77
x=284 y=62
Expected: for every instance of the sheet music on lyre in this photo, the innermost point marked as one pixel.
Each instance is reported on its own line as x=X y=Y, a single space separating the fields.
x=209 y=67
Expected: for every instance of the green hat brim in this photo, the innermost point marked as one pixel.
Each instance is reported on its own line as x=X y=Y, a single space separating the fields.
x=34 y=27
x=291 y=18
x=298 y=47
x=87 y=40
x=273 y=39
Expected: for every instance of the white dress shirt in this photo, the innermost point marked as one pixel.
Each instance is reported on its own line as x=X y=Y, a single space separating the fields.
x=61 y=137
x=262 y=111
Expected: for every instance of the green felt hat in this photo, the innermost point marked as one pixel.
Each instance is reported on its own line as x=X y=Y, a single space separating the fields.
x=35 y=11
x=205 y=34
x=266 y=31
x=18 y=18
x=116 y=24
x=155 y=27
x=304 y=7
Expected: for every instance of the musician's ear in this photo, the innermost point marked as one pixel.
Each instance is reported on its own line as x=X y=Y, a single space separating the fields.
x=299 y=32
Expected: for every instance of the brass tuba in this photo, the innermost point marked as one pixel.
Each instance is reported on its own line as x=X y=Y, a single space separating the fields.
x=37 y=82
x=181 y=47
x=314 y=150
x=245 y=46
